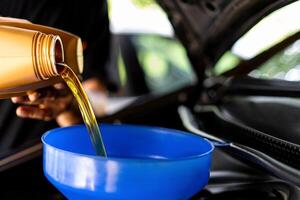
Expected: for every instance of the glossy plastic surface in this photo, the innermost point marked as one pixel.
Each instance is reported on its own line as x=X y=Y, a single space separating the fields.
x=143 y=163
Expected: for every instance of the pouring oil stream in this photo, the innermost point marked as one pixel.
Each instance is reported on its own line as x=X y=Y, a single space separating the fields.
x=85 y=107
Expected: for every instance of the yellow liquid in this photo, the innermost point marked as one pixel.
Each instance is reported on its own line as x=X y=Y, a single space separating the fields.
x=85 y=107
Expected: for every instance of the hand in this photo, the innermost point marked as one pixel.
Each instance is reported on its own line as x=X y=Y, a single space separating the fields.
x=58 y=103
x=50 y=103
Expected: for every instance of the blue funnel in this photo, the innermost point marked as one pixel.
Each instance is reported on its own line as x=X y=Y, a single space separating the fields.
x=143 y=163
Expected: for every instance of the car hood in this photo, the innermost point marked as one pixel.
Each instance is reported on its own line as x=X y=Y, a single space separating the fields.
x=207 y=28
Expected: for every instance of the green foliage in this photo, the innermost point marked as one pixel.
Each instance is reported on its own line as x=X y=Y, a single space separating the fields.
x=276 y=67
x=281 y=63
x=227 y=61
x=144 y=3
x=164 y=61
x=122 y=70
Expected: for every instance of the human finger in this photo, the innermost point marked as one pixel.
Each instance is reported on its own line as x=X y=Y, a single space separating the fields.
x=34 y=113
x=20 y=99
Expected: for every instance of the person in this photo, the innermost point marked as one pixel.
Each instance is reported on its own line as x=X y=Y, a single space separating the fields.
x=87 y=19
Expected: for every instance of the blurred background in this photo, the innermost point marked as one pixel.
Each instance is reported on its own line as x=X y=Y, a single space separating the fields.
x=149 y=57
x=163 y=60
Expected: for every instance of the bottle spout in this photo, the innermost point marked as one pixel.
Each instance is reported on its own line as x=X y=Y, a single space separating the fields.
x=48 y=52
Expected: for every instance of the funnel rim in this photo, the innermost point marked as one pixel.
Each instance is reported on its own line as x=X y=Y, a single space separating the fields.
x=100 y=158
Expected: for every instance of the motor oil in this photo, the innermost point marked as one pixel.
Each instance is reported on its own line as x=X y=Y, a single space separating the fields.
x=85 y=107
x=34 y=56
x=28 y=54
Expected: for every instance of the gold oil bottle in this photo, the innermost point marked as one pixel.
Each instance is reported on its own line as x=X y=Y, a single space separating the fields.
x=29 y=54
